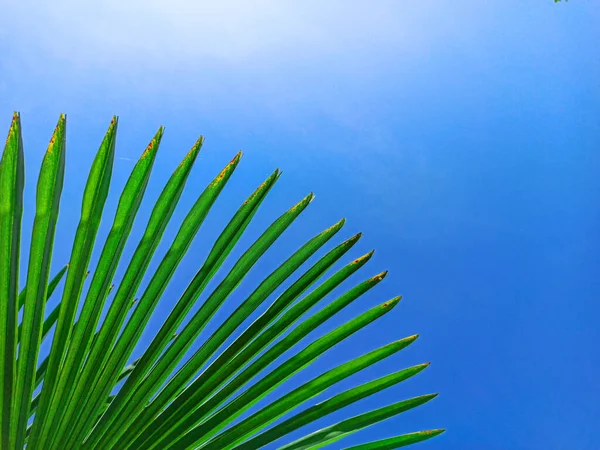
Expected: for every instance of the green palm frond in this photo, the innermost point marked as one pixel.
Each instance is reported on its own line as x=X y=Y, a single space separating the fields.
x=85 y=393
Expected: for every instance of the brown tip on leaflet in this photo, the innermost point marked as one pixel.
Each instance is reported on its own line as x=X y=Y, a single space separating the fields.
x=235 y=159
x=195 y=149
x=149 y=147
x=362 y=258
x=227 y=168
x=54 y=135
x=13 y=126
x=391 y=303
x=305 y=201
x=380 y=276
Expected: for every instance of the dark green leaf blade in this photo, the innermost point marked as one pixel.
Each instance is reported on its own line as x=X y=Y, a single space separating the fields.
x=185 y=374
x=83 y=334
x=186 y=406
x=51 y=286
x=328 y=406
x=291 y=400
x=159 y=218
x=260 y=389
x=170 y=358
x=49 y=189
x=94 y=198
x=12 y=181
x=398 y=441
x=51 y=318
x=148 y=301
x=335 y=432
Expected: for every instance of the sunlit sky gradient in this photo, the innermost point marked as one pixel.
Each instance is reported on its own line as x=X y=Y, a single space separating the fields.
x=462 y=139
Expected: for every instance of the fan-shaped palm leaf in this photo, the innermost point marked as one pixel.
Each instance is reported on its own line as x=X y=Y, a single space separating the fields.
x=161 y=403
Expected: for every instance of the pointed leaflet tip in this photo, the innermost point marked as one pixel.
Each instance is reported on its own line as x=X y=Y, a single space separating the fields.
x=14 y=126
x=268 y=182
x=236 y=158
x=302 y=203
x=422 y=399
x=193 y=153
x=391 y=303
x=352 y=240
x=227 y=170
x=336 y=226
x=427 y=397
x=379 y=276
x=409 y=339
x=421 y=367
x=152 y=147
x=58 y=133
x=363 y=259
x=403 y=343
x=16 y=119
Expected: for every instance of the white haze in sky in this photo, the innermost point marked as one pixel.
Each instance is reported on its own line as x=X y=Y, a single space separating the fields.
x=188 y=34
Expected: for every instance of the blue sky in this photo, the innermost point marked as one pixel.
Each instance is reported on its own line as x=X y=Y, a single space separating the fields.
x=462 y=139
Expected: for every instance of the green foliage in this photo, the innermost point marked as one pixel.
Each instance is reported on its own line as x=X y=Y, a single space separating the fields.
x=85 y=395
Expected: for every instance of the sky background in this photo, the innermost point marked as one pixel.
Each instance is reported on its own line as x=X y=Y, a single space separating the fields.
x=462 y=138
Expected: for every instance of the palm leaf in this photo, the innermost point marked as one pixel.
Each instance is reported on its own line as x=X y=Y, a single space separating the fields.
x=53 y=316
x=12 y=182
x=349 y=426
x=398 y=441
x=86 y=394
